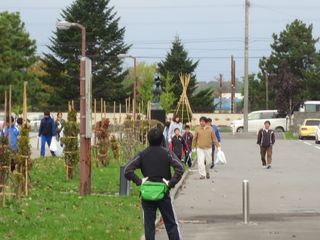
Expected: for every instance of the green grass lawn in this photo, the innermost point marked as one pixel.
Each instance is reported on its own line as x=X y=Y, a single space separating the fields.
x=290 y=136
x=54 y=209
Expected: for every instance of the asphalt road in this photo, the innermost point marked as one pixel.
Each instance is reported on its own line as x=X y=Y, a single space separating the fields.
x=284 y=201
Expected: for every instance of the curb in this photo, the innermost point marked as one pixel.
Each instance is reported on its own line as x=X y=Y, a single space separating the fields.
x=174 y=193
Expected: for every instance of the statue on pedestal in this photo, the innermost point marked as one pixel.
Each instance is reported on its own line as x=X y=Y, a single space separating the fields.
x=156 y=92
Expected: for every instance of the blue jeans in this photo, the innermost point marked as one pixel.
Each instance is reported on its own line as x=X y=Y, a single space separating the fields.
x=44 y=140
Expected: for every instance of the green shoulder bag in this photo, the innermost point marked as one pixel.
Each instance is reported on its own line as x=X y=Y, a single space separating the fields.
x=153 y=191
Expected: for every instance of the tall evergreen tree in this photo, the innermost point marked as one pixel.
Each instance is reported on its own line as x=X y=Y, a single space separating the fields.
x=293 y=54
x=176 y=62
x=105 y=40
x=17 y=55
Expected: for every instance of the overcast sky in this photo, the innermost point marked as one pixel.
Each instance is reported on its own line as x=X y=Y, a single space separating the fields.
x=211 y=30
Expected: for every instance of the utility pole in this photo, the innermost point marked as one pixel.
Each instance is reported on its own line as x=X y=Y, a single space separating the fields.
x=220 y=104
x=267 y=91
x=233 y=83
x=246 y=67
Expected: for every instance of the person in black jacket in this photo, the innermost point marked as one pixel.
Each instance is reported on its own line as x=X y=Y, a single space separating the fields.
x=266 y=140
x=46 y=131
x=155 y=163
x=178 y=144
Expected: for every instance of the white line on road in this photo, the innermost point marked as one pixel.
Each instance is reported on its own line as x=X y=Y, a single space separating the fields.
x=317 y=147
x=307 y=143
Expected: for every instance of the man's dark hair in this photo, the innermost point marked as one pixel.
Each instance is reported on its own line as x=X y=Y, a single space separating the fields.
x=20 y=121
x=155 y=137
x=8 y=119
x=209 y=120
x=267 y=122
x=176 y=129
x=46 y=113
x=187 y=127
x=203 y=118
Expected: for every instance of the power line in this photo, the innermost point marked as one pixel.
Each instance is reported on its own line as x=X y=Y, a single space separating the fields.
x=132 y=7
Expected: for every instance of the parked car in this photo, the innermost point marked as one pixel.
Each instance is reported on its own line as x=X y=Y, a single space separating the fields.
x=317 y=136
x=256 y=121
x=308 y=128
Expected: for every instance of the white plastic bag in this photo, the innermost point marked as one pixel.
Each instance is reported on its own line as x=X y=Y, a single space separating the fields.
x=220 y=158
x=53 y=144
x=59 y=152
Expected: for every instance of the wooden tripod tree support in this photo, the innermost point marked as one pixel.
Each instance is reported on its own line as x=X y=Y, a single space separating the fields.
x=24 y=151
x=184 y=103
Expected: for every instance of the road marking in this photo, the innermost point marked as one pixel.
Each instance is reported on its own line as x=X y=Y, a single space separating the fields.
x=317 y=147
x=307 y=143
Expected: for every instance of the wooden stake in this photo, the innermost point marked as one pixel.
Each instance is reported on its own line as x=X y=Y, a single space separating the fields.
x=95 y=111
x=26 y=182
x=72 y=104
x=10 y=122
x=129 y=105
x=5 y=106
x=105 y=109
x=25 y=102
x=101 y=108
x=126 y=106
x=114 y=112
x=120 y=113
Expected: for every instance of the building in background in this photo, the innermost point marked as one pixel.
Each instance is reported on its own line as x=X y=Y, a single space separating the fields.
x=224 y=106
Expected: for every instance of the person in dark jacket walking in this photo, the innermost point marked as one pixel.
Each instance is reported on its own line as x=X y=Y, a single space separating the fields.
x=46 y=131
x=178 y=144
x=155 y=163
x=216 y=131
x=188 y=138
x=266 y=140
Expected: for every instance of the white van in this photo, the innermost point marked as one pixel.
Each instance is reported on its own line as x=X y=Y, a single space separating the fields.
x=256 y=121
x=310 y=106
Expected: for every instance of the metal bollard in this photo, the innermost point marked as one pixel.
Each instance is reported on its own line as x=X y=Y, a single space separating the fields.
x=124 y=183
x=245 y=201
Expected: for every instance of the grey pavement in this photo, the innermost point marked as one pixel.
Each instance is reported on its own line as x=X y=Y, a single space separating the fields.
x=35 y=146
x=284 y=201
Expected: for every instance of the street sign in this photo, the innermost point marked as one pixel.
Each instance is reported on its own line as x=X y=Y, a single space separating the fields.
x=88 y=72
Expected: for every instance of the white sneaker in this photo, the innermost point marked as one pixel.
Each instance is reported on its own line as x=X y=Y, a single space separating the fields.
x=264 y=166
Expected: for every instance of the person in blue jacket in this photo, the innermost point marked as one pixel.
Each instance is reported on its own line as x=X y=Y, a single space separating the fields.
x=46 y=131
x=216 y=131
x=12 y=133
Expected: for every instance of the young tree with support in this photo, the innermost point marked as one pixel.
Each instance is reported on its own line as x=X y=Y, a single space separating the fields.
x=183 y=106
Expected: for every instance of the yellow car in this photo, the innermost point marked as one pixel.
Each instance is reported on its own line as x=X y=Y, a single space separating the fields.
x=308 y=128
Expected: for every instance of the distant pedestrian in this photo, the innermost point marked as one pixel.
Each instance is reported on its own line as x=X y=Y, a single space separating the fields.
x=204 y=136
x=173 y=125
x=59 y=125
x=266 y=140
x=12 y=133
x=166 y=134
x=155 y=163
x=188 y=138
x=178 y=145
x=216 y=131
x=46 y=131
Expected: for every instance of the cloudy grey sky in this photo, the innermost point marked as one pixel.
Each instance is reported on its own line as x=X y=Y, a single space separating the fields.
x=211 y=30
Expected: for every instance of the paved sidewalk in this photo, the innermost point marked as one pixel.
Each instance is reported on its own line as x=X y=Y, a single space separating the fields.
x=285 y=201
